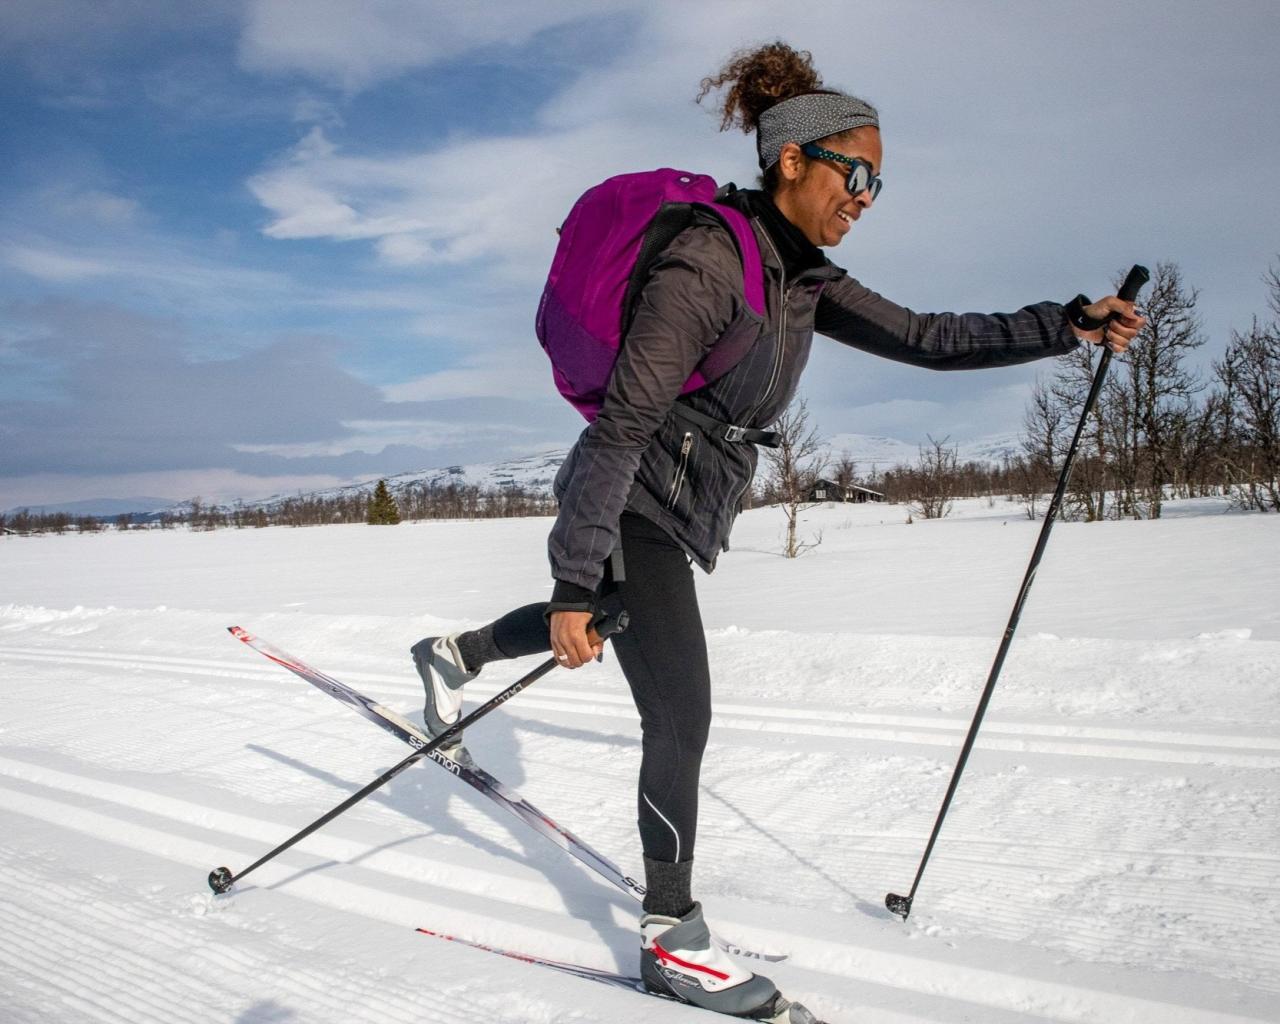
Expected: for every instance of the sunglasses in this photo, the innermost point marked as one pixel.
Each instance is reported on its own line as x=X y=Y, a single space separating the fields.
x=862 y=176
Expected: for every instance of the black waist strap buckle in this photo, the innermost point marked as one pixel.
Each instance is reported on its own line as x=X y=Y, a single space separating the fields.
x=728 y=431
x=739 y=435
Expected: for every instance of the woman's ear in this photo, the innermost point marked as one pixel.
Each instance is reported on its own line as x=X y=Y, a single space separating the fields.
x=791 y=163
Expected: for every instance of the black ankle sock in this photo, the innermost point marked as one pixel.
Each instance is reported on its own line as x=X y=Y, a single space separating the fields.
x=668 y=887
x=478 y=648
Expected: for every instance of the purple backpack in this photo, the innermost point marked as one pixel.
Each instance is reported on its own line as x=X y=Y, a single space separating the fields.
x=611 y=237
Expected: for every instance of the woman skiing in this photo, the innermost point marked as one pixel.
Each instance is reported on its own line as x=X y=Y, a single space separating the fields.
x=654 y=483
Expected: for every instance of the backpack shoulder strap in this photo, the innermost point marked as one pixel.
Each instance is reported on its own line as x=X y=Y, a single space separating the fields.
x=669 y=222
x=666 y=224
x=732 y=349
x=744 y=237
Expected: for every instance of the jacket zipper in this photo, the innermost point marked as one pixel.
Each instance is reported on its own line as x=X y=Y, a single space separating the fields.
x=782 y=336
x=777 y=359
x=678 y=483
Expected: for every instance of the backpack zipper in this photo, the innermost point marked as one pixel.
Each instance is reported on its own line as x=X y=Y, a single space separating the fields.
x=677 y=484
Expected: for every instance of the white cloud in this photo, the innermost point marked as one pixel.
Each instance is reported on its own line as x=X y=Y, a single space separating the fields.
x=423 y=208
x=372 y=436
x=98 y=207
x=304 y=210
x=48 y=264
x=308 y=109
x=497 y=371
x=965 y=407
x=169 y=269
x=355 y=45
x=404 y=250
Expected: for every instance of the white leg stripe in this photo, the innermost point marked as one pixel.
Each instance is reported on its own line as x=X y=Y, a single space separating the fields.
x=667 y=820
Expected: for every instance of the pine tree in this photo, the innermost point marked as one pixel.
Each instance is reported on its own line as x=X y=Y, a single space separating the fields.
x=383 y=510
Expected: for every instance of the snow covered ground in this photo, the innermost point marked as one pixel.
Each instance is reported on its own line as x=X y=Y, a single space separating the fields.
x=1112 y=855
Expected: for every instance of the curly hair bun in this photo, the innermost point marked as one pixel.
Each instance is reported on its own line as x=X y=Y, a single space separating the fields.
x=757 y=79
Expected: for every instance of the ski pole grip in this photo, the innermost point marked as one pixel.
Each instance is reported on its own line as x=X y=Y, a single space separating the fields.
x=1138 y=276
x=607 y=627
x=1133 y=282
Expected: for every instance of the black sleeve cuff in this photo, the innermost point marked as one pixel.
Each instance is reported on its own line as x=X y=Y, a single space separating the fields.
x=569 y=597
x=571 y=593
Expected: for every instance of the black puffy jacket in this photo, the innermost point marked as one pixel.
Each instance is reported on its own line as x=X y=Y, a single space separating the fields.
x=639 y=454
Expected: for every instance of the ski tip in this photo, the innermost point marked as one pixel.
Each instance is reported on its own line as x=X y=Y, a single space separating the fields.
x=238 y=633
x=787 y=1012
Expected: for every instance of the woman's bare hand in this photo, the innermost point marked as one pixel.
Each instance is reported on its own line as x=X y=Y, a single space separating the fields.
x=1119 y=332
x=569 y=642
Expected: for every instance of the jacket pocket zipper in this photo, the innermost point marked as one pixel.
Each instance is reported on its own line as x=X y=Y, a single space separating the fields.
x=677 y=484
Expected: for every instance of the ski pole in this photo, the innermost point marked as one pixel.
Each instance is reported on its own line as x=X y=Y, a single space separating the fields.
x=901 y=905
x=221 y=879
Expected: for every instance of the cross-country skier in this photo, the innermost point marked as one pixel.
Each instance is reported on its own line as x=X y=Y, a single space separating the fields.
x=661 y=487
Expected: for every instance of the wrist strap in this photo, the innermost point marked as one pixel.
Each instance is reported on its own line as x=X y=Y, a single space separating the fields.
x=1077 y=316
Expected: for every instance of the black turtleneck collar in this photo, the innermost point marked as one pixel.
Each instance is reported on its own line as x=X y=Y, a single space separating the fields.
x=797 y=252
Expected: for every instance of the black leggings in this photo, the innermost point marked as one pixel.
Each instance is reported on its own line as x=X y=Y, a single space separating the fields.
x=663 y=654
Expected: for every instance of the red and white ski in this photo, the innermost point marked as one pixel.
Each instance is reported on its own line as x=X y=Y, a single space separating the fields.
x=475 y=777
x=612 y=978
x=783 y=1010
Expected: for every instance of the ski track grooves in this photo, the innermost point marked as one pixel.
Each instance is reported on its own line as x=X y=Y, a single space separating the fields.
x=358 y=891
x=1141 y=744
x=56 y=939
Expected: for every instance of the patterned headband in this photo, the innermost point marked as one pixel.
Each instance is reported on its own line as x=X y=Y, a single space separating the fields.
x=809 y=117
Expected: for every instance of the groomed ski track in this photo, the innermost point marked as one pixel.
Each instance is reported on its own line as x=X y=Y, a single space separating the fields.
x=1111 y=855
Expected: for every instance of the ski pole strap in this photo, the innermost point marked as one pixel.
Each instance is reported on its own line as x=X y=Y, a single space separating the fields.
x=726 y=431
x=1079 y=318
x=608 y=626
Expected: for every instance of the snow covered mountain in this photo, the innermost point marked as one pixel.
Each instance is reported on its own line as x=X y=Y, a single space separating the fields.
x=880 y=453
x=536 y=472
x=529 y=472
x=101 y=508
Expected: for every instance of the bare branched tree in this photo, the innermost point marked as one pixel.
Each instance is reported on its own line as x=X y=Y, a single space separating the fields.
x=1155 y=393
x=796 y=464
x=1249 y=375
x=845 y=472
x=1044 y=424
x=935 y=479
x=1050 y=423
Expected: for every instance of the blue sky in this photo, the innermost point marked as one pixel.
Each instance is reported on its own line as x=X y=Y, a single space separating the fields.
x=260 y=246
